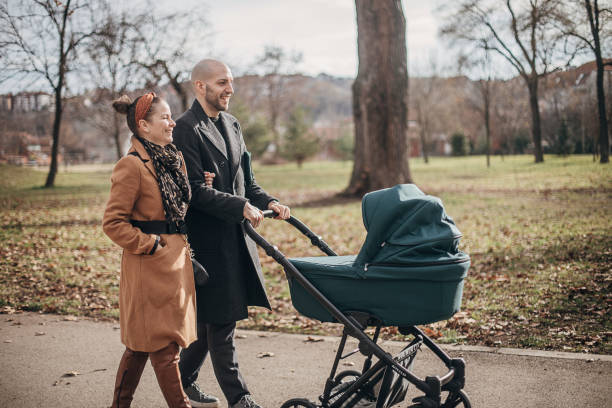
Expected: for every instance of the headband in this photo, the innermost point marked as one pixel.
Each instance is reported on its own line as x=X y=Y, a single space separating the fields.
x=143 y=105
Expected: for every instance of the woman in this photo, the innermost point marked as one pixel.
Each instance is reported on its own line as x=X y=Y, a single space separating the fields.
x=144 y=215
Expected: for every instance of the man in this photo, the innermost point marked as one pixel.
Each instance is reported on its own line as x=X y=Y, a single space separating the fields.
x=211 y=142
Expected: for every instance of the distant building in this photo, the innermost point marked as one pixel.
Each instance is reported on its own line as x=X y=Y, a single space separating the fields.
x=438 y=144
x=22 y=148
x=25 y=102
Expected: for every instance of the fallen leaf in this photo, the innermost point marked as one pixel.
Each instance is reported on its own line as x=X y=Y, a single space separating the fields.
x=265 y=354
x=311 y=339
x=241 y=336
x=70 y=318
x=8 y=341
x=71 y=374
x=348 y=363
x=7 y=310
x=433 y=333
x=40 y=333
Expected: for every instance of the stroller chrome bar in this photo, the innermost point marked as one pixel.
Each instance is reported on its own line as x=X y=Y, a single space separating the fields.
x=430 y=386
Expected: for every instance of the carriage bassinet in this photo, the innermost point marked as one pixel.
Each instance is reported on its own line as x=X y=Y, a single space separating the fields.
x=409 y=270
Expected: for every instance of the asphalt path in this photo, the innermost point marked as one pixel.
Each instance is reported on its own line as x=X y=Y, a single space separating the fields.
x=59 y=361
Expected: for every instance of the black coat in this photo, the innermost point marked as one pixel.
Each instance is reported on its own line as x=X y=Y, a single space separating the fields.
x=213 y=220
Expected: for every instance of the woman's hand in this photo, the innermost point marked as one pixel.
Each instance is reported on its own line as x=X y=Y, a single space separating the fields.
x=209 y=178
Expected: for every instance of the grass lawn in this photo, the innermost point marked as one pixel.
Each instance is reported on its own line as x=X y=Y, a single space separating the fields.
x=539 y=237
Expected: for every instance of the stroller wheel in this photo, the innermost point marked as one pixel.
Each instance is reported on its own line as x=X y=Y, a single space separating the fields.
x=346 y=376
x=297 y=403
x=456 y=399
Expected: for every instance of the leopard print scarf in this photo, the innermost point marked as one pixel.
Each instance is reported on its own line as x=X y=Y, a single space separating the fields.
x=173 y=183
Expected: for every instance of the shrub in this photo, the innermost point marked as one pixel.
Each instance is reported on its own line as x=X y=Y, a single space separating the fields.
x=458 y=144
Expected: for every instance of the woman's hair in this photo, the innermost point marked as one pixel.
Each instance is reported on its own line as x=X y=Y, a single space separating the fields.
x=126 y=106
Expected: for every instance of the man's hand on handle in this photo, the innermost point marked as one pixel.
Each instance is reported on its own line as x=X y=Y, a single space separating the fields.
x=282 y=210
x=251 y=213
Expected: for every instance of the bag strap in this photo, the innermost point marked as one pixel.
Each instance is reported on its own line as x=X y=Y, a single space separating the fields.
x=135 y=153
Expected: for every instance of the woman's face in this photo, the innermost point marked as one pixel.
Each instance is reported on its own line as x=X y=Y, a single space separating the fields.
x=158 y=128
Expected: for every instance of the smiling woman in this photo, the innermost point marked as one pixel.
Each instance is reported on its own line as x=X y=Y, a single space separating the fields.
x=145 y=216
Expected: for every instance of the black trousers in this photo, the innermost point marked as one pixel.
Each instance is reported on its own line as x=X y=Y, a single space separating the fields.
x=219 y=340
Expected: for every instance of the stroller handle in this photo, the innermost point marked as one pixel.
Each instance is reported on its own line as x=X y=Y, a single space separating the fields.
x=315 y=239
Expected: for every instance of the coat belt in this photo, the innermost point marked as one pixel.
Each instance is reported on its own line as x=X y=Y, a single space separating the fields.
x=160 y=227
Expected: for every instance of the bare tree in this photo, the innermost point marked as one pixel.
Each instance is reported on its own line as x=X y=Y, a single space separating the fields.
x=170 y=44
x=425 y=100
x=592 y=27
x=510 y=117
x=114 y=69
x=380 y=98
x=485 y=89
x=482 y=100
x=275 y=66
x=40 y=39
x=521 y=36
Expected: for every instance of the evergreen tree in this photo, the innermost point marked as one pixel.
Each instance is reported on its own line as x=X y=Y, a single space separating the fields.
x=458 y=144
x=300 y=142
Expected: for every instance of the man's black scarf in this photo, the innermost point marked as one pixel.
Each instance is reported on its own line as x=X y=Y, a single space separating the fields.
x=173 y=183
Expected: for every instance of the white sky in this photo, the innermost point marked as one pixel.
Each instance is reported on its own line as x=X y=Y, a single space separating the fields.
x=323 y=30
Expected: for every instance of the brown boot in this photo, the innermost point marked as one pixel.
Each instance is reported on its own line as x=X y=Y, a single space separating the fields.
x=165 y=365
x=128 y=376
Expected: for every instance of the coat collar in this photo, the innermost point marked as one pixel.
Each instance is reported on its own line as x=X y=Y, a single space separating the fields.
x=208 y=128
x=138 y=147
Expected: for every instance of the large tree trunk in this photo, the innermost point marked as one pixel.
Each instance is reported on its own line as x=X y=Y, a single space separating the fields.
x=380 y=98
x=57 y=121
x=536 y=126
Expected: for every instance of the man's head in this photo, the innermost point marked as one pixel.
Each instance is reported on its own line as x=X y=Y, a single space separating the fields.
x=212 y=81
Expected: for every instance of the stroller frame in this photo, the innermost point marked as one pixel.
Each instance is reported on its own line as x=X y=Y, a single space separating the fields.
x=355 y=324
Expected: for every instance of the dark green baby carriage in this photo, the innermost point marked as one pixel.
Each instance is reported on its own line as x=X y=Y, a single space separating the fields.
x=409 y=271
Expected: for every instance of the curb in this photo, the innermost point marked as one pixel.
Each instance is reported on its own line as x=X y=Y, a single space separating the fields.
x=447 y=347
x=453 y=347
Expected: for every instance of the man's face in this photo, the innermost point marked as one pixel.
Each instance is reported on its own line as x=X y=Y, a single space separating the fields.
x=219 y=89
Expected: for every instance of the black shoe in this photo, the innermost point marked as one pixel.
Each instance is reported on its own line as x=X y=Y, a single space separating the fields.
x=199 y=399
x=246 y=402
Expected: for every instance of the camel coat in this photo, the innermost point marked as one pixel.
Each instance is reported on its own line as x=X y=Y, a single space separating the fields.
x=157 y=300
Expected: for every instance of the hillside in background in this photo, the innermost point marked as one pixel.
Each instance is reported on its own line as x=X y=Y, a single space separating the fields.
x=439 y=107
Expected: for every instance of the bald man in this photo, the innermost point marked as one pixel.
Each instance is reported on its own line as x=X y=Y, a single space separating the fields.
x=211 y=142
